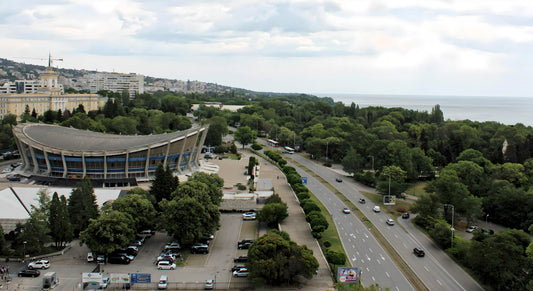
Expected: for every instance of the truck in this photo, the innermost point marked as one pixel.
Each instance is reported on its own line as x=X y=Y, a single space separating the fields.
x=49 y=281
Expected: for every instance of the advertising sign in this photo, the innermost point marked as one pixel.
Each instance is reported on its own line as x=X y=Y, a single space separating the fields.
x=304 y=180
x=141 y=278
x=95 y=278
x=389 y=200
x=119 y=278
x=347 y=274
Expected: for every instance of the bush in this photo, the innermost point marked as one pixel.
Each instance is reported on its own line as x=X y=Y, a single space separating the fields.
x=298 y=187
x=367 y=178
x=220 y=149
x=303 y=195
x=294 y=179
x=312 y=215
x=319 y=224
x=310 y=206
x=241 y=187
x=327 y=244
x=257 y=147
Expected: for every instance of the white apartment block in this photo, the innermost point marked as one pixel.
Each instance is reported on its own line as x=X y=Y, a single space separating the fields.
x=114 y=82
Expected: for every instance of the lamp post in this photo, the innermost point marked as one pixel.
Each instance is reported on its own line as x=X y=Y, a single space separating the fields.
x=327 y=145
x=388 y=201
x=453 y=213
x=372 y=162
x=24 y=253
x=487 y=222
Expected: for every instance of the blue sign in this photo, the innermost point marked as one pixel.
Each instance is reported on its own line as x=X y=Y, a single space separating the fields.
x=141 y=278
x=304 y=180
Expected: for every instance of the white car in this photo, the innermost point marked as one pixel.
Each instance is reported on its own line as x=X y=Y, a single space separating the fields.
x=240 y=273
x=249 y=216
x=390 y=221
x=40 y=264
x=376 y=209
x=346 y=210
x=471 y=228
x=166 y=265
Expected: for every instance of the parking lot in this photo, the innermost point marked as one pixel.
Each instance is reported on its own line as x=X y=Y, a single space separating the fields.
x=196 y=268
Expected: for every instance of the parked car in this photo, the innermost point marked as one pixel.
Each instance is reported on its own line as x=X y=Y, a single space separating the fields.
x=346 y=210
x=90 y=257
x=241 y=273
x=199 y=248
x=173 y=245
x=206 y=239
x=29 y=273
x=246 y=240
x=166 y=265
x=163 y=282
x=165 y=258
x=362 y=200
x=244 y=246
x=122 y=253
x=118 y=259
x=14 y=179
x=237 y=267
x=249 y=215
x=100 y=259
x=471 y=228
x=390 y=221
x=338 y=180
x=419 y=252
x=40 y=264
x=241 y=259
x=405 y=215
x=209 y=284
x=376 y=209
x=146 y=233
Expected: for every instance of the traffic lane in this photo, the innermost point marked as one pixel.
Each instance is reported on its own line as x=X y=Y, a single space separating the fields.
x=439 y=275
x=362 y=249
x=439 y=258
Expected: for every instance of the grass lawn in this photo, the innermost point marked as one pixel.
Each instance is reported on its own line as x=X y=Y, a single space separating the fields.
x=395 y=211
x=416 y=189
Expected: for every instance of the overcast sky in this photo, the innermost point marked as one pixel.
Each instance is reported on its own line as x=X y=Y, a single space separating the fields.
x=448 y=47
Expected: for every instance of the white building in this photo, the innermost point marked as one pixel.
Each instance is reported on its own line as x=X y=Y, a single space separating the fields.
x=114 y=82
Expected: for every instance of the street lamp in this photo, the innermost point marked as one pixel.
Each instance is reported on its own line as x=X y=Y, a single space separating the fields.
x=453 y=213
x=388 y=201
x=372 y=162
x=487 y=222
x=24 y=253
x=327 y=145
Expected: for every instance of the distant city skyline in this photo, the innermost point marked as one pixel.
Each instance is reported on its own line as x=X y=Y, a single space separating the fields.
x=412 y=47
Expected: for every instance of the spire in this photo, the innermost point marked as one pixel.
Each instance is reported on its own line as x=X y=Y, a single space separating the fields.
x=49 y=59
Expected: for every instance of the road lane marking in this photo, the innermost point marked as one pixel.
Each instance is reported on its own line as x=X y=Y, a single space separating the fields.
x=396 y=236
x=366 y=235
x=373 y=278
x=439 y=282
x=387 y=274
x=426 y=268
x=382 y=257
x=370 y=250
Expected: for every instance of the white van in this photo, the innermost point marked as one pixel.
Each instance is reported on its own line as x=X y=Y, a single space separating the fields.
x=163 y=282
x=90 y=257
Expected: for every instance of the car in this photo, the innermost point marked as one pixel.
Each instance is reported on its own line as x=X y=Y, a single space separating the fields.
x=163 y=282
x=7 y=170
x=209 y=284
x=40 y=264
x=90 y=257
x=246 y=240
x=14 y=179
x=166 y=265
x=405 y=215
x=419 y=252
x=338 y=180
x=173 y=245
x=29 y=273
x=376 y=209
x=165 y=258
x=241 y=259
x=346 y=210
x=122 y=253
x=249 y=215
x=134 y=248
x=244 y=246
x=206 y=239
x=471 y=228
x=362 y=200
x=104 y=283
x=237 y=267
x=100 y=259
x=146 y=233
x=200 y=248
x=136 y=243
x=118 y=259
x=241 y=273
x=390 y=221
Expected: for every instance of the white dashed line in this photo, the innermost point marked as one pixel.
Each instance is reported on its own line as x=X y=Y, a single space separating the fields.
x=439 y=282
x=387 y=273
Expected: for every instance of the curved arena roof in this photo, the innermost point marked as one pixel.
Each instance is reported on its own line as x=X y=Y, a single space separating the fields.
x=71 y=139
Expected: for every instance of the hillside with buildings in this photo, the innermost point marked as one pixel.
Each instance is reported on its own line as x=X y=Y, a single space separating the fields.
x=94 y=81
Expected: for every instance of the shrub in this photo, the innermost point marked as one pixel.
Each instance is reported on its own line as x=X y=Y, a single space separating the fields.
x=257 y=147
x=310 y=206
x=303 y=195
x=327 y=244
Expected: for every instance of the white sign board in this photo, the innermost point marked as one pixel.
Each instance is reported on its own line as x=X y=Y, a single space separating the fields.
x=91 y=277
x=119 y=278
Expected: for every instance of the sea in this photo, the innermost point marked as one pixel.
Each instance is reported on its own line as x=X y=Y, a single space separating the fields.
x=505 y=110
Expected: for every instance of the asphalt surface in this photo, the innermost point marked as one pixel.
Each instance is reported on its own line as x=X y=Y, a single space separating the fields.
x=437 y=270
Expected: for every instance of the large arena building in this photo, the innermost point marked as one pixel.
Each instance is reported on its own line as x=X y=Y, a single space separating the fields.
x=58 y=155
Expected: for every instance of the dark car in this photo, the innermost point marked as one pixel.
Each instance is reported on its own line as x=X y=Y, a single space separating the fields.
x=241 y=259
x=14 y=179
x=29 y=273
x=338 y=180
x=246 y=240
x=244 y=246
x=419 y=252
x=362 y=200
x=199 y=248
x=118 y=259
x=405 y=215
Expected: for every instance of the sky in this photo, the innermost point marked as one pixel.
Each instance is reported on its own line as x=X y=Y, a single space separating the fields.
x=410 y=47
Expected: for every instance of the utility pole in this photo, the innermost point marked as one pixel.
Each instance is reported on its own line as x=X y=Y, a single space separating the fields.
x=453 y=213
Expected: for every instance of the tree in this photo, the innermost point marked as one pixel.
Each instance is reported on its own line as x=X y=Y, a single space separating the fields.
x=213 y=182
x=82 y=206
x=245 y=135
x=59 y=221
x=139 y=208
x=335 y=258
x=218 y=127
x=112 y=230
x=274 y=260
x=164 y=183
x=34 y=113
x=273 y=213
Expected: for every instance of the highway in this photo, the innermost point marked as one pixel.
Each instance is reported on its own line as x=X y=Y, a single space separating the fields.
x=436 y=269
x=362 y=249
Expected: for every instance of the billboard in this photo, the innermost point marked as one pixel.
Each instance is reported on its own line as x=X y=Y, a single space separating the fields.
x=389 y=200
x=89 y=278
x=119 y=278
x=347 y=274
x=141 y=278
